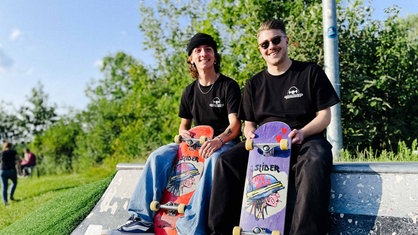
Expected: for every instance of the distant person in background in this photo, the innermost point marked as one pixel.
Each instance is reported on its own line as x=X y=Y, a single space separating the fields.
x=9 y=160
x=28 y=161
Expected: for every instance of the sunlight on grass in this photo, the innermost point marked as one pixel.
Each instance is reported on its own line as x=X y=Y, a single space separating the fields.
x=62 y=193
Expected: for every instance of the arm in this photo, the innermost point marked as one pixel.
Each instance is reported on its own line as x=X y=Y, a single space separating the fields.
x=230 y=133
x=184 y=127
x=317 y=125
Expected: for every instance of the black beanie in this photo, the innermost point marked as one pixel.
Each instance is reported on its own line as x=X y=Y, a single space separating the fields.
x=201 y=39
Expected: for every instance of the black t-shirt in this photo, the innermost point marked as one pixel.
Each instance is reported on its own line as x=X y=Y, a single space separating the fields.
x=293 y=97
x=8 y=159
x=212 y=108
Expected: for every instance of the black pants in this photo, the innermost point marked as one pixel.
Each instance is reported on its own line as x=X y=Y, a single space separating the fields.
x=308 y=193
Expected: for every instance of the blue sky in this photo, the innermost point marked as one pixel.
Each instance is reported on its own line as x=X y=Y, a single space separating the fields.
x=61 y=43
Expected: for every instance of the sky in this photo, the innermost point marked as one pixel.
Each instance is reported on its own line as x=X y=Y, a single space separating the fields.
x=60 y=44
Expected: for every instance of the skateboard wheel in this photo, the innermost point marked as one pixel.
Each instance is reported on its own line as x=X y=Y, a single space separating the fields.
x=275 y=232
x=283 y=144
x=177 y=139
x=202 y=139
x=154 y=206
x=249 y=144
x=236 y=230
x=181 y=208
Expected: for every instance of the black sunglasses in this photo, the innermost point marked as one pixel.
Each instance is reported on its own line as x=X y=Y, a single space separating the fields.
x=276 y=41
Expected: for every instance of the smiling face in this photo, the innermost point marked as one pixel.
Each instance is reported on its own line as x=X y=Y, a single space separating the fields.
x=272 y=44
x=203 y=57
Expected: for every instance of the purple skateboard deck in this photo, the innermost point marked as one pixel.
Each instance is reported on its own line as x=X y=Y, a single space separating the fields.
x=264 y=202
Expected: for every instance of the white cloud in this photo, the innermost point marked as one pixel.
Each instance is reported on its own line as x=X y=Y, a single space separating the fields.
x=98 y=64
x=29 y=71
x=16 y=33
x=5 y=62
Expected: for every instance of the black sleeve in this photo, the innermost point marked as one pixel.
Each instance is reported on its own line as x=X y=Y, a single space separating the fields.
x=233 y=97
x=185 y=105
x=325 y=94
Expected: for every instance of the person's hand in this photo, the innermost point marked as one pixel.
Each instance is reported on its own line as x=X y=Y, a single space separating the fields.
x=209 y=147
x=185 y=134
x=297 y=136
x=249 y=134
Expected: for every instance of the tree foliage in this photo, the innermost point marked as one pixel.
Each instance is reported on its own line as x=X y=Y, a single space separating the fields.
x=36 y=115
x=55 y=148
x=379 y=83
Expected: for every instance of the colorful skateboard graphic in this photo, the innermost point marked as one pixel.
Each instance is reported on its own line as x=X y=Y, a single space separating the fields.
x=185 y=176
x=265 y=194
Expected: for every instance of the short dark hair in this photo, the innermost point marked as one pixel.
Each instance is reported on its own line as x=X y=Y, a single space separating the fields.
x=272 y=24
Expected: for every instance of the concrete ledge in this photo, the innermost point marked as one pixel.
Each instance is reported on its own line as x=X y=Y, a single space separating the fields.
x=374 y=198
x=366 y=198
x=112 y=208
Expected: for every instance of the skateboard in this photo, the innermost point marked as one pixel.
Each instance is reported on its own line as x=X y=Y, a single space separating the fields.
x=265 y=193
x=185 y=176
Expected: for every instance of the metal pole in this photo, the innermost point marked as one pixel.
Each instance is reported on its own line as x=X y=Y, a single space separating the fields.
x=329 y=18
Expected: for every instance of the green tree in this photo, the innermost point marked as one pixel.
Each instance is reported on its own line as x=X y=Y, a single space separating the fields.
x=128 y=114
x=102 y=121
x=378 y=80
x=410 y=24
x=9 y=129
x=55 y=148
x=36 y=115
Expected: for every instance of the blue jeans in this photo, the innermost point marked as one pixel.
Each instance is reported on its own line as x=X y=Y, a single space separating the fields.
x=5 y=176
x=154 y=179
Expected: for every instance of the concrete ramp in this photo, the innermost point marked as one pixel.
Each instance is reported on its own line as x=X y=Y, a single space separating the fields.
x=366 y=198
x=112 y=208
x=374 y=198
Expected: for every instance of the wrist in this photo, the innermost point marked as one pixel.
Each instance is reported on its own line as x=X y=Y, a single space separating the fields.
x=220 y=139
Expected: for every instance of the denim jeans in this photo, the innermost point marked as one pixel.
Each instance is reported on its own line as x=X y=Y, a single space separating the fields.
x=5 y=176
x=154 y=179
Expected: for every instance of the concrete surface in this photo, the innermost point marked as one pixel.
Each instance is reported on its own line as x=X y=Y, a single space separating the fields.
x=112 y=208
x=374 y=198
x=366 y=198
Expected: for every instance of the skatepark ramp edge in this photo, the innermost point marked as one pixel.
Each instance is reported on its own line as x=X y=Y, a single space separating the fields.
x=366 y=198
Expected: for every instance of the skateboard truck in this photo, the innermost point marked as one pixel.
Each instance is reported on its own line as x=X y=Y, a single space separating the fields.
x=191 y=142
x=172 y=208
x=256 y=230
x=267 y=148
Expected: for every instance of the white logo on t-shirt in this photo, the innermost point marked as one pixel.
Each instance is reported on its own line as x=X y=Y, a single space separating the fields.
x=216 y=103
x=293 y=92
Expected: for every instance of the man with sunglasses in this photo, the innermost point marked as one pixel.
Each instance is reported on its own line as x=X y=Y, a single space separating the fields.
x=300 y=94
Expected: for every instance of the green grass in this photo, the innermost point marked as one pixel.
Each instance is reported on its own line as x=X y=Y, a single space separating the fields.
x=53 y=204
x=403 y=154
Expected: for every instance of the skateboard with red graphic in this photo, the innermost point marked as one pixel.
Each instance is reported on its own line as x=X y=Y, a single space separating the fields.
x=264 y=202
x=185 y=176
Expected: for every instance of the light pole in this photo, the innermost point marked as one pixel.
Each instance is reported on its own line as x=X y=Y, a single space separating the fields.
x=331 y=61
